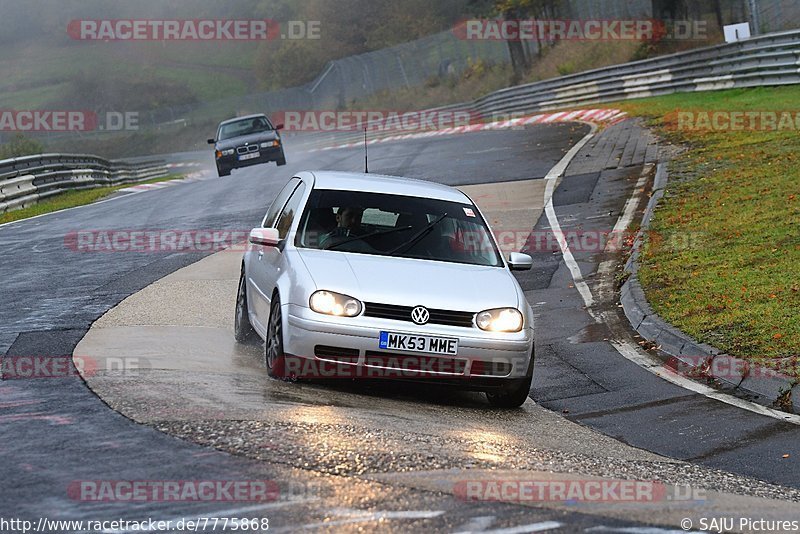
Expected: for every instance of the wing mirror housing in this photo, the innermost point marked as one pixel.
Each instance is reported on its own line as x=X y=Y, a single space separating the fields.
x=520 y=262
x=279 y=126
x=267 y=237
x=211 y=141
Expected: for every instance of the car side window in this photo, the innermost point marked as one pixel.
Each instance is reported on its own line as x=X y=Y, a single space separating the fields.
x=289 y=211
x=279 y=203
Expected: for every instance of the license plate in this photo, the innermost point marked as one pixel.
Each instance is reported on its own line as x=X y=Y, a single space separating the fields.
x=417 y=343
x=251 y=155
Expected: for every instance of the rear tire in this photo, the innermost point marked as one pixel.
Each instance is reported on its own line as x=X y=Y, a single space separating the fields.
x=274 y=358
x=242 y=329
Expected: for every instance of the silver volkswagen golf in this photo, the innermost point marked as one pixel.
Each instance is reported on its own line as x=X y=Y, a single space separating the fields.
x=366 y=276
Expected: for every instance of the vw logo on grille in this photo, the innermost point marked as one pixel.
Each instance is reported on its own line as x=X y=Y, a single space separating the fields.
x=420 y=315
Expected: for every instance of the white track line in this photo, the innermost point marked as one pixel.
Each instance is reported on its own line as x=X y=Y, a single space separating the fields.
x=552 y=179
x=351 y=516
x=524 y=529
x=624 y=346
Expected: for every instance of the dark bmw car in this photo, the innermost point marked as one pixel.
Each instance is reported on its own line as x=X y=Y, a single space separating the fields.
x=246 y=141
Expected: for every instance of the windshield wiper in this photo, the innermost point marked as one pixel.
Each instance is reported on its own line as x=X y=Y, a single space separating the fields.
x=417 y=237
x=371 y=234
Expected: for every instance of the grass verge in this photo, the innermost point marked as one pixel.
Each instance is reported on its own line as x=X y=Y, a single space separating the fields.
x=71 y=199
x=723 y=259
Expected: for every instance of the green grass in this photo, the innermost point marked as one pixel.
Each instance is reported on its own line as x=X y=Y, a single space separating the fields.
x=36 y=74
x=71 y=199
x=723 y=261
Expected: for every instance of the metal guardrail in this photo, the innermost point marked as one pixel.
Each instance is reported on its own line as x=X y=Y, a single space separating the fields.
x=767 y=60
x=26 y=180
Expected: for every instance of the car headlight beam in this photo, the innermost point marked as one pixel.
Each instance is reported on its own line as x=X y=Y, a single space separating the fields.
x=500 y=320
x=331 y=303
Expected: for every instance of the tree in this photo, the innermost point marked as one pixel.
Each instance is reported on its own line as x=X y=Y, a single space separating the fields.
x=510 y=10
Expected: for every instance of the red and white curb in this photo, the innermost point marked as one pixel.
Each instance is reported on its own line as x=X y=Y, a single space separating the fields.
x=597 y=116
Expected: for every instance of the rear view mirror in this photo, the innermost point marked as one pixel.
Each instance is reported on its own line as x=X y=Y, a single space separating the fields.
x=267 y=237
x=520 y=262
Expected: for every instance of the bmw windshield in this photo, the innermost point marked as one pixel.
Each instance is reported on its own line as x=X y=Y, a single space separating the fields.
x=396 y=225
x=243 y=127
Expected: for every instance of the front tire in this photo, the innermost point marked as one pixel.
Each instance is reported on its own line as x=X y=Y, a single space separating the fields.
x=242 y=329
x=512 y=396
x=282 y=160
x=223 y=171
x=274 y=358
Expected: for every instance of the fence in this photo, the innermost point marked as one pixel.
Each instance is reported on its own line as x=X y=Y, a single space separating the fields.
x=26 y=180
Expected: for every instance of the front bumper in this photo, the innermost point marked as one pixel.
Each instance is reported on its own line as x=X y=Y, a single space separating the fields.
x=267 y=155
x=484 y=359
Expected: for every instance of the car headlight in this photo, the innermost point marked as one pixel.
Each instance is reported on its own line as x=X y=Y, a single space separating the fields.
x=331 y=303
x=228 y=152
x=267 y=144
x=500 y=320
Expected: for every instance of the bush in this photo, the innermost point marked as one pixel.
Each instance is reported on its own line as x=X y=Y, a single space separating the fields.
x=19 y=145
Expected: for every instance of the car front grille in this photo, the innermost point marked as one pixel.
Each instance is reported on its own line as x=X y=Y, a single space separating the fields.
x=403 y=313
x=247 y=148
x=415 y=363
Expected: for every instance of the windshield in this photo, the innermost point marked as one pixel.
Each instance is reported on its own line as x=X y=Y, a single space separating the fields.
x=396 y=225
x=243 y=127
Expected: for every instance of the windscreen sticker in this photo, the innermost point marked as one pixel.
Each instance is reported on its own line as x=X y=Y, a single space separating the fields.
x=469 y=212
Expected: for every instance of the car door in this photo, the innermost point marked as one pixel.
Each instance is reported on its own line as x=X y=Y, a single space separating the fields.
x=256 y=280
x=269 y=262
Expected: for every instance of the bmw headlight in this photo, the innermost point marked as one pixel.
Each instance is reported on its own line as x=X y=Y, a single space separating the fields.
x=226 y=152
x=500 y=320
x=331 y=303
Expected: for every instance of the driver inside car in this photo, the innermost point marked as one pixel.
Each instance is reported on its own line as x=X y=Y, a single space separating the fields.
x=348 y=225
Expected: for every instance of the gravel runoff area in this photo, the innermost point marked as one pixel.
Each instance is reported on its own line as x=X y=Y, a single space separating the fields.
x=313 y=447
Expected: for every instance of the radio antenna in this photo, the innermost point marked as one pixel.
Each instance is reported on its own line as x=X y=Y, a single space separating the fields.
x=366 y=156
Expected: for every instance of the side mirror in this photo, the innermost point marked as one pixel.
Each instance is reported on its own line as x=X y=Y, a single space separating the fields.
x=520 y=262
x=211 y=141
x=279 y=126
x=267 y=237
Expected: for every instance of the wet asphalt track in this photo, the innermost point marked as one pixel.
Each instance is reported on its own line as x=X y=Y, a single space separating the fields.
x=55 y=431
